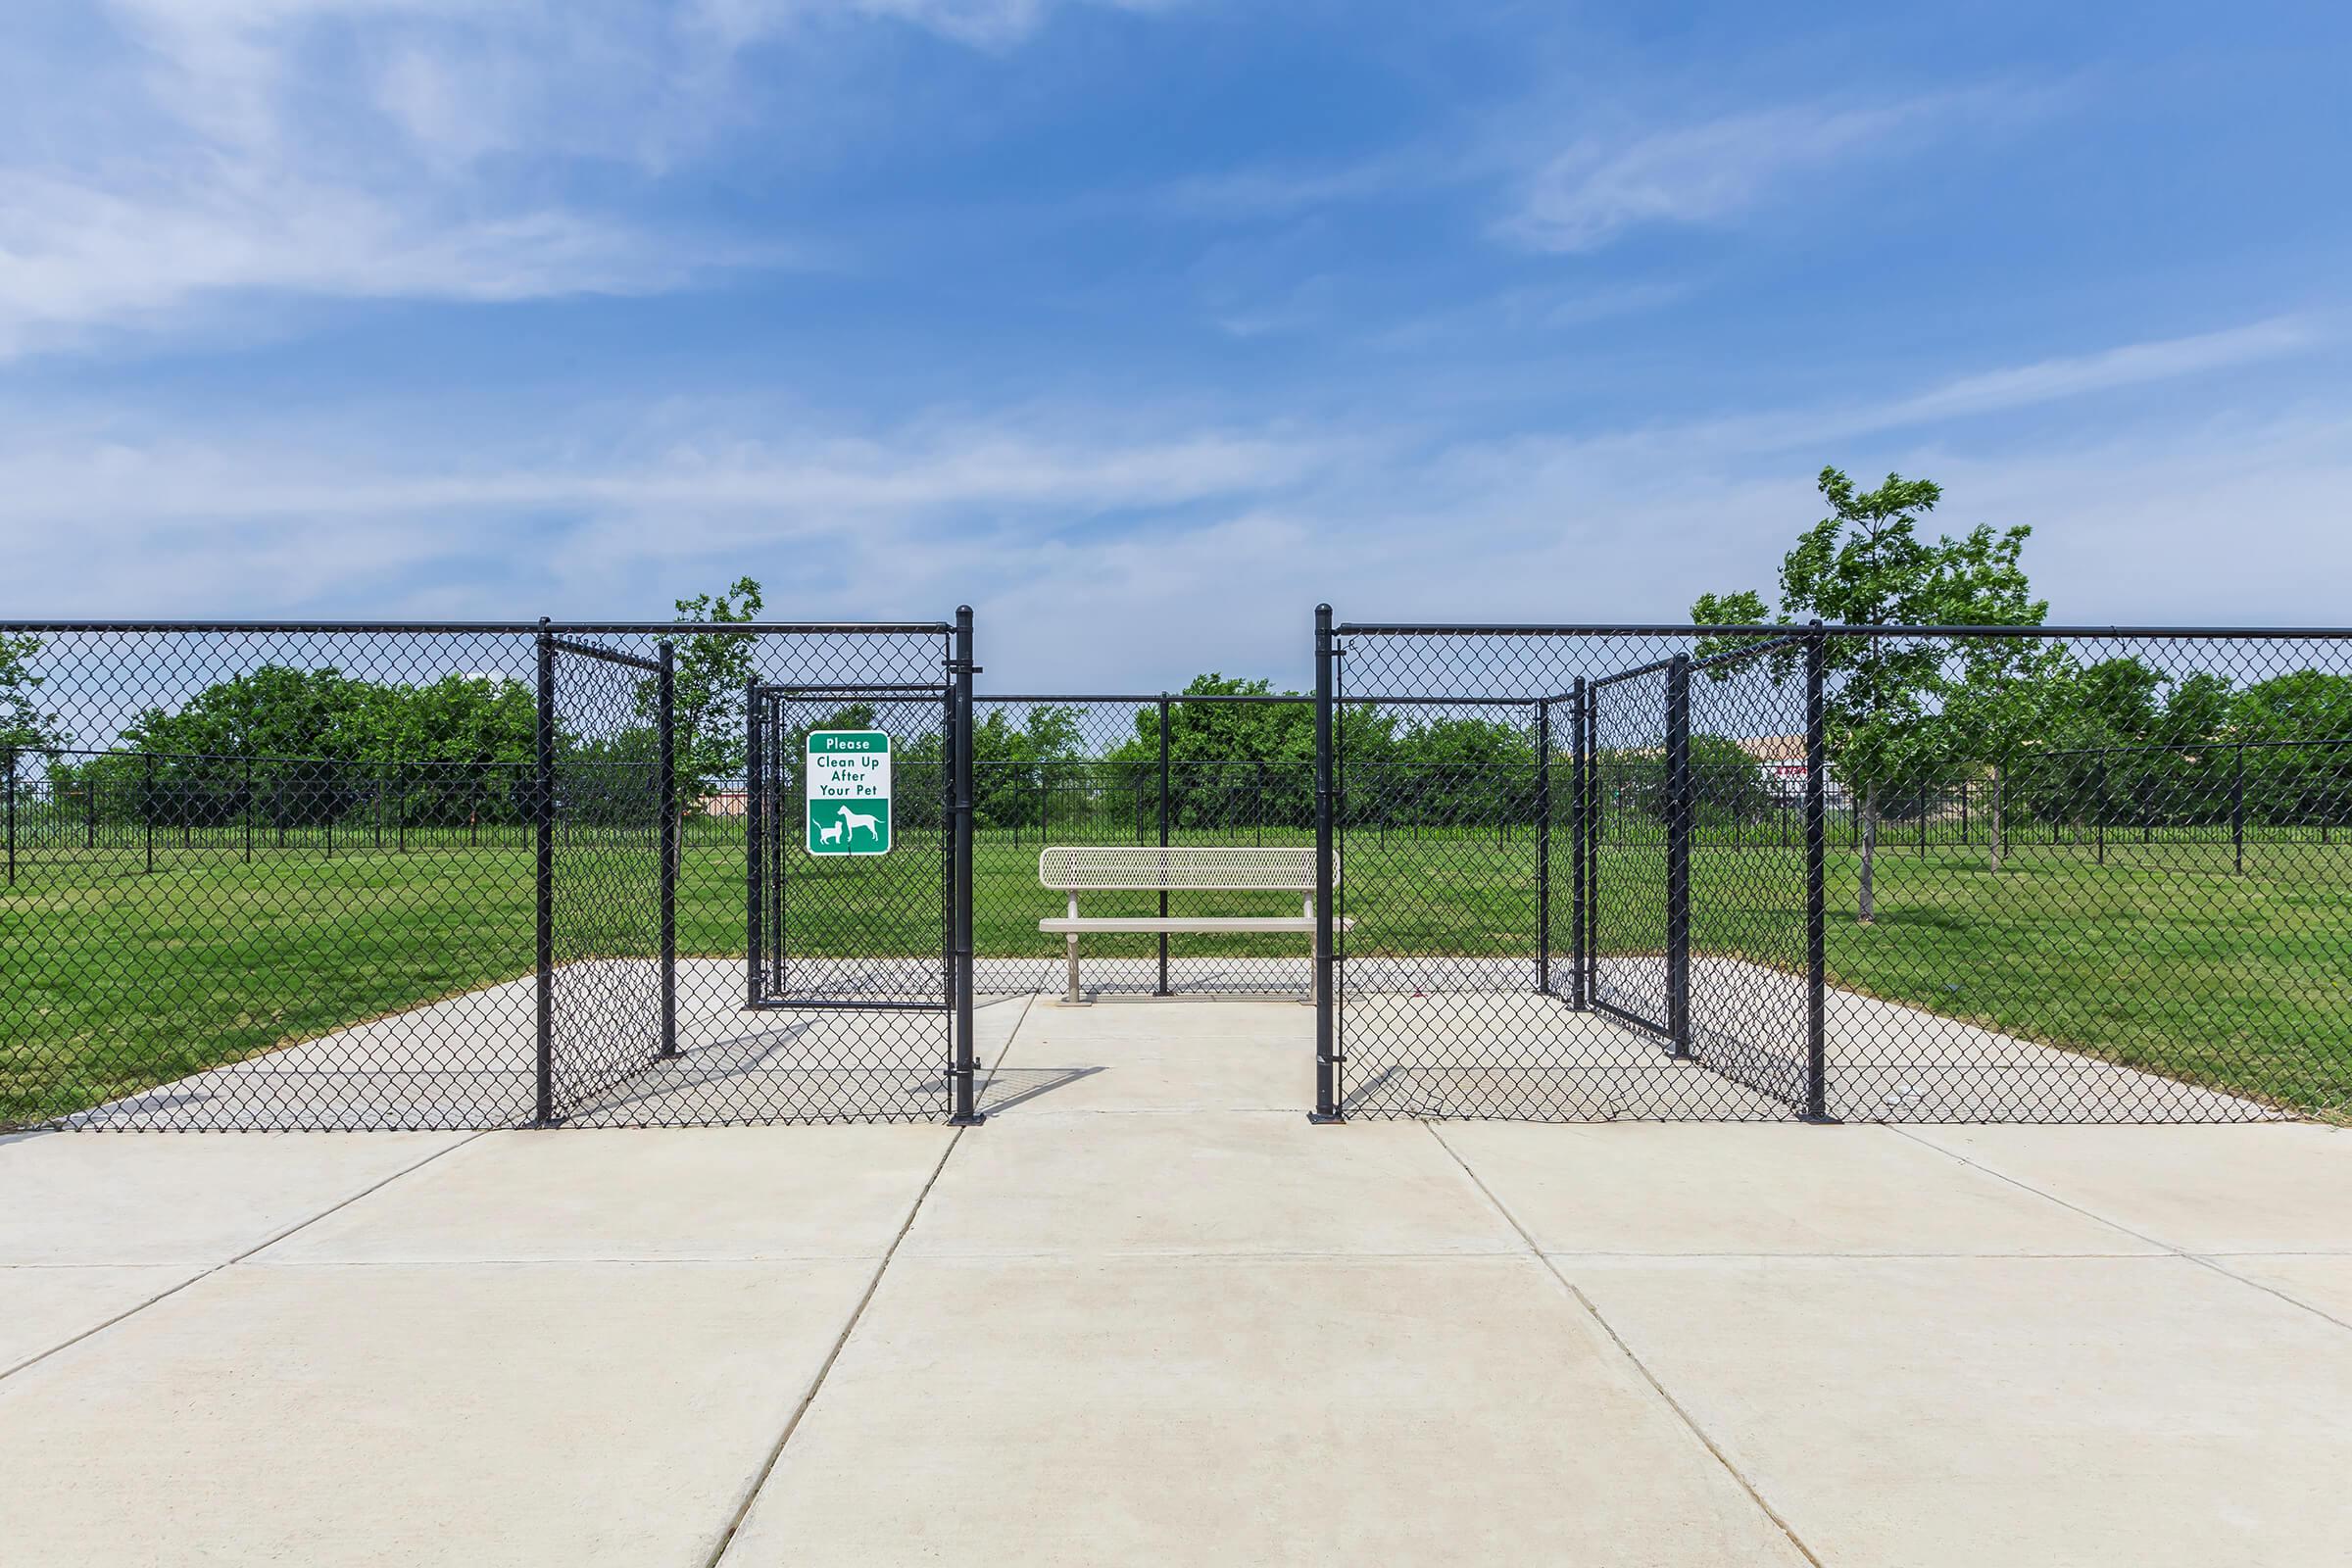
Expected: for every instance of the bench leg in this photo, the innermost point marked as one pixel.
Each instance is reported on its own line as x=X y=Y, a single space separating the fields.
x=1073 y=993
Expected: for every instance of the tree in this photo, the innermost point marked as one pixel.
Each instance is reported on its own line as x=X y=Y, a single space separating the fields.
x=1865 y=564
x=310 y=745
x=23 y=725
x=1223 y=755
x=2010 y=698
x=710 y=681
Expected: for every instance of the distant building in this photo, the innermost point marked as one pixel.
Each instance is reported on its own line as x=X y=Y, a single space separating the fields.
x=1781 y=762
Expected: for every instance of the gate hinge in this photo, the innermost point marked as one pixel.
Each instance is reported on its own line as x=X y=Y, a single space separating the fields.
x=960 y=667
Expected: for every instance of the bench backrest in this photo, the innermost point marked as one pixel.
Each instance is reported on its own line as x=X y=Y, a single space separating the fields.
x=1076 y=868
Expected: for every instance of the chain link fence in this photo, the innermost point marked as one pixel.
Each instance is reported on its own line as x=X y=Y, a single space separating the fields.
x=391 y=875
x=327 y=875
x=2006 y=874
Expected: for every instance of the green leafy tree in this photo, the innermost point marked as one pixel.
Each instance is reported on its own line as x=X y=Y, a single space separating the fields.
x=710 y=681
x=313 y=745
x=2008 y=699
x=1014 y=765
x=1230 y=765
x=1467 y=771
x=25 y=725
x=1727 y=785
x=1865 y=564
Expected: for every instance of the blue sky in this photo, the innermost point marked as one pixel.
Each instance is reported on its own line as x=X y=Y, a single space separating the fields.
x=1143 y=326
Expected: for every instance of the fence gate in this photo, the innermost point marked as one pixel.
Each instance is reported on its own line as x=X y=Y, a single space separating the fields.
x=1637 y=761
x=1745 y=1008
x=857 y=850
x=607 y=859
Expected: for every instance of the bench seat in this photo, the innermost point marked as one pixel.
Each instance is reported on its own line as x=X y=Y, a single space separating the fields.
x=1075 y=868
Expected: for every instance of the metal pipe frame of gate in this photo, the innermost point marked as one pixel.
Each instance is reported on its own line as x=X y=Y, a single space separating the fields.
x=1327 y=1055
x=962 y=1113
x=1585 y=799
x=663 y=668
x=1680 y=817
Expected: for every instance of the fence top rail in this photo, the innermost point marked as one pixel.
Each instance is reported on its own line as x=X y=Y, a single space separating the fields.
x=1680 y=629
x=1618 y=677
x=469 y=627
x=611 y=655
x=1767 y=644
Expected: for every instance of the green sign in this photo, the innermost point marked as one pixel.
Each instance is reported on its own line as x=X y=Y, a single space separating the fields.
x=849 y=792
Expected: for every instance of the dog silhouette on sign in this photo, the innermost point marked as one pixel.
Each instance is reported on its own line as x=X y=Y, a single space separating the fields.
x=854 y=820
x=829 y=835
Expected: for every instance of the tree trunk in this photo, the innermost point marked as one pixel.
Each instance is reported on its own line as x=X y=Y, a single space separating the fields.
x=1866 y=898
x=1996 y=819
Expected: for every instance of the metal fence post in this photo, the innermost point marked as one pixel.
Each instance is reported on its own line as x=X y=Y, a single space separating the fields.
x=1817 y=795
x=755 y=824
x=1580 y=859
x=2237 y=809
x=543 y=875
x=1679 y=811
x=247 y=811
x=12 y=817
x=147 y=809
x=964 y=1114
x=2098 y=804
x=1163 y=836
x=665 y=789
x=1327 y=1056
x=1587 y=962
x=1544 y=847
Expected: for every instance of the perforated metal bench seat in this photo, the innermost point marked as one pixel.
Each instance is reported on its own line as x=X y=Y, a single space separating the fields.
x=1177 y=869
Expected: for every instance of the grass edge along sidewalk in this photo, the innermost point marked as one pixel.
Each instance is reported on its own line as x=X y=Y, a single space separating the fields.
x=2163 y=959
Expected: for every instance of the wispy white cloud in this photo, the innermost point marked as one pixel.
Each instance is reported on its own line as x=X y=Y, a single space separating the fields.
x=413 y=149
x=1719 y=170
x=1159 y=546
x=76 y=259
x=979 y=23
x=1275 y=191
x=2001 y=390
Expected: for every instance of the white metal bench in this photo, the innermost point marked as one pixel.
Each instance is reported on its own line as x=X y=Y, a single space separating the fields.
x=1178 y=868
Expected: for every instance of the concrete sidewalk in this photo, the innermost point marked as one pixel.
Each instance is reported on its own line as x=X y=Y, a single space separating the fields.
x=1148 y=1314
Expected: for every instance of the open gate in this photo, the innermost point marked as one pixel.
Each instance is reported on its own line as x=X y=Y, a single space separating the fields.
x=606 y=853
x=1697 y=931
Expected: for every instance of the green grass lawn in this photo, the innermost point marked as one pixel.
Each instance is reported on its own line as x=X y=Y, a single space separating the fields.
x=2163 y=956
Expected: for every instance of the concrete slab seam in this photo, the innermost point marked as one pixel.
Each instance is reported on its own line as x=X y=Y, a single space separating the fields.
x=2203 y=1259
x=792 y=1423
x=1688 y=1421
x=266 y=1242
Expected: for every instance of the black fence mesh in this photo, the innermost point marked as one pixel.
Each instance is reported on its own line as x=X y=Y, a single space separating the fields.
x=1205 y=769
x=285 y=877
x=2077 y=875
x=821 y=913
x=606 y=744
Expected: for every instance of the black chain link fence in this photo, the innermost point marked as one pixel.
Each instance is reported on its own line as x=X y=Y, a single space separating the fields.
x=312 y=875
x=290 y=876
x=1860 y=873
x=1180 y=768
